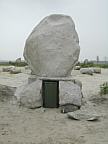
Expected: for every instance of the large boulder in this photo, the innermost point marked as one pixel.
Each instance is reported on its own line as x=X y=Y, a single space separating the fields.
x=52 y=49
x=69 y=93
x=30 y=95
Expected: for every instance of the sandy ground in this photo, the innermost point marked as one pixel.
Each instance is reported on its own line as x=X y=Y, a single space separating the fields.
x=19 y=125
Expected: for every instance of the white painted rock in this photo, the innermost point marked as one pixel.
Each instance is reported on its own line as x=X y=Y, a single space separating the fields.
x=77 y=68
x=86 y=71
x=69 y=93
x=30 y=95
x=52 y=49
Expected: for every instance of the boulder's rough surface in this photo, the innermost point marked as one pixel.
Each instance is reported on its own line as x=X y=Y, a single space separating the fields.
x=86 y=71
x=6 y=92
x=30 y=95
x=52 y=49
x=69 y=93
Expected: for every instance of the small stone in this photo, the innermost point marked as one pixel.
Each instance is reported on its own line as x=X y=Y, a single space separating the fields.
x=69 y=108
x=77 y=68
x=86 y=71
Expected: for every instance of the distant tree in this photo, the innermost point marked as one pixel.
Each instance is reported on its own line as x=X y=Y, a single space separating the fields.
x=97 y=59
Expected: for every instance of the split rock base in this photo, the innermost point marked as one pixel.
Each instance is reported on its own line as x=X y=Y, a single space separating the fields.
x=70 y=94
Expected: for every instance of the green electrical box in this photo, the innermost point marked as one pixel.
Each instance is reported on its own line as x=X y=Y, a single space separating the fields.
x=50 y=93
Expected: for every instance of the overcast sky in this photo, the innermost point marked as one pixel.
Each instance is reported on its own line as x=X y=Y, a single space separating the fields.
x=19 y=17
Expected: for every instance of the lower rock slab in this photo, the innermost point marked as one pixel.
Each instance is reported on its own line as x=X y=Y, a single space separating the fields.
x=30 y=95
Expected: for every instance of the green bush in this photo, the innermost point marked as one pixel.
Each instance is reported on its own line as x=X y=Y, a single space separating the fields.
x=104 y=88
x=84 y=65
x=103 y=65
x=18 y=64
x=91 y=64
x=4 y=64
x=14 y=63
